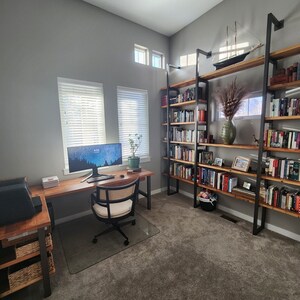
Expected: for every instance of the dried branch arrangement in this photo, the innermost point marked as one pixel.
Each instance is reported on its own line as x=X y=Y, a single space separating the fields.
x=230 y=98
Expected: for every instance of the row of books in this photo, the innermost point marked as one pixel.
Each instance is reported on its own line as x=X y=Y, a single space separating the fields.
x=284 y=107
x=282 y=139
x=186 y=135
x=219 y=180
x=182 y=153
x=181 y=170
x=292 y=73
x=182 y=116
x=282 y=168
x=283 y=198
x=189 y=94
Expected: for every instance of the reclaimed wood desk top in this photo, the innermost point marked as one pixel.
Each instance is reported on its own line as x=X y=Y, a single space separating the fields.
x=75 y=185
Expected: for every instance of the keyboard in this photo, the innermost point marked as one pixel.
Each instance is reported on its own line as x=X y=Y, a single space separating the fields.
x=100 y=178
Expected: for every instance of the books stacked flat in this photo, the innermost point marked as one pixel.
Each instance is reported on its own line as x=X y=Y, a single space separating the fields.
x=49 y=182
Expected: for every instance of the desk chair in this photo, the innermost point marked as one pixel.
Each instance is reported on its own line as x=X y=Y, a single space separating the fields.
x=112 y=204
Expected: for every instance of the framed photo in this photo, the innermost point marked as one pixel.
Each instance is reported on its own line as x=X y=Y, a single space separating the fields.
x=241 y=163
x=218 y=162
x=207 y=157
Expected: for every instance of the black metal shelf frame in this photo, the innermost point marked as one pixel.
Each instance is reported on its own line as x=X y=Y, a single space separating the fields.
x=272 y=20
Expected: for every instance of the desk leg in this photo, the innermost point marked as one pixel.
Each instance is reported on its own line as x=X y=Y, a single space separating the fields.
x=149 y=192
x=44 y=262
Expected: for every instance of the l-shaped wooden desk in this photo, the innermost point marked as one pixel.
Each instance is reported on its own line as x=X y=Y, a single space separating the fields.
x=70 y=186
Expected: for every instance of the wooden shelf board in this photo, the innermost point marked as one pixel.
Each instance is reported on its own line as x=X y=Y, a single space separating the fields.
x=280 y=210
x=25 y=284
x=232 y=195
x=227 y=169
x=236 y=146
x=286 y=52
x=182 y=123
x=183 y=83
x=285 y=86
x=180 y=161
x=282 y=180
x=182 y=143
x=282 y=118
x=282 y=150
x=180 y=179
x=244 y=65
x=23 y=258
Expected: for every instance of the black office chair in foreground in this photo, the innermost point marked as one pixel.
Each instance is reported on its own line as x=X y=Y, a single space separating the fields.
x=112 y=204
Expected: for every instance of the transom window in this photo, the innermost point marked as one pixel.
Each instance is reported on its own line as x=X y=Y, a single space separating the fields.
x=141 y=55
x=158 y=60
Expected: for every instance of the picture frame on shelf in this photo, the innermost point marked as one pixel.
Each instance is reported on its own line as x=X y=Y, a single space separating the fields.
x=241 y=163
x=207 y=157
x=218 y=162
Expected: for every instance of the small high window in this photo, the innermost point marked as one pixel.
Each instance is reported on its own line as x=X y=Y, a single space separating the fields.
x=187 y=60
x=250 y=107
x=141 y=55
x=158 y=60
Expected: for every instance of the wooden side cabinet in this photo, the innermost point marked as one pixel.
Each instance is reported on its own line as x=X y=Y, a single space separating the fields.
x=26 y=253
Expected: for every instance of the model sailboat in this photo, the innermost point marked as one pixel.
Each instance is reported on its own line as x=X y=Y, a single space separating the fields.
x=234 y=53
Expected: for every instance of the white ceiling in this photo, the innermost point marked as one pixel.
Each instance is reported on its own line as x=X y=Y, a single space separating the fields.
x=164 y=16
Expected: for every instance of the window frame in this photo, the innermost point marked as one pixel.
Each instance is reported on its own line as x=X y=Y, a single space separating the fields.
x=162 y=59
x=144 y=50
x=100 y=127
x=145 y=157
x=253 y=95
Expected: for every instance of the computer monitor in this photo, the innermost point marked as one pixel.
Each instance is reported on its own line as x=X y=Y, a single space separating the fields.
x=94 y=157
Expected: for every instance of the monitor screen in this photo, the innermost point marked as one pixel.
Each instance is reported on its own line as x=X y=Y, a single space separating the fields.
x=94 y=156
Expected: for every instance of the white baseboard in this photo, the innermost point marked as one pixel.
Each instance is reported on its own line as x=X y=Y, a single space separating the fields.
x=248 y=218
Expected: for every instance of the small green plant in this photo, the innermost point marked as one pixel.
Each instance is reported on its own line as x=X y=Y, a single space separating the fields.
x=135 y=141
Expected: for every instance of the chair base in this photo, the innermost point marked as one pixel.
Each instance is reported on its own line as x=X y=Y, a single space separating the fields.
x=115 y=227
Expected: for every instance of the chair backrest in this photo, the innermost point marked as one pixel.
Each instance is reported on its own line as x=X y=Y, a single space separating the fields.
x=107 y=195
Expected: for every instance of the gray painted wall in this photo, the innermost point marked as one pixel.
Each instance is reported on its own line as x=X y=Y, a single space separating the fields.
x=206 y=33
x=42 y=40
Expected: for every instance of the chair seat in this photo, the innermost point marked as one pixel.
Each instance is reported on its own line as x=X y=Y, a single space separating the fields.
x=116 y=209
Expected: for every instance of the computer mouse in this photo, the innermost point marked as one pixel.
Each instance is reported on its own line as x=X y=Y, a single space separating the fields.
x=122 y=175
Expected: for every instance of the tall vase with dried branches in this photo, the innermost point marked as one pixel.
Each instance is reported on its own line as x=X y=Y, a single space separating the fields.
x=230 y=99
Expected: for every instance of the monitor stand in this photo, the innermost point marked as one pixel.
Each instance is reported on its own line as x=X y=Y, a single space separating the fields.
x=95 y=176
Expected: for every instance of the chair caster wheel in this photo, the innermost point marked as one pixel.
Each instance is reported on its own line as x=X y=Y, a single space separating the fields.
x=133 y=222
x=94 y=240
x=126 y=243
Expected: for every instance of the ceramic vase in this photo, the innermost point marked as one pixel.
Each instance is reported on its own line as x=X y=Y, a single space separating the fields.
x=133 y=162
x=228 y=132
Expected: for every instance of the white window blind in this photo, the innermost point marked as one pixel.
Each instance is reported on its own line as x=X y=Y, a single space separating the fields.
x=133 y=118
x=82 y=113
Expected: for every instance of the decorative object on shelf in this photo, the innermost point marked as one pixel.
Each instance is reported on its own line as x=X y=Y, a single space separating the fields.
x=241 y=163
x=218 y=162
x=234 y=52
x=135 y=141
x=230 y=98
x=256 y=141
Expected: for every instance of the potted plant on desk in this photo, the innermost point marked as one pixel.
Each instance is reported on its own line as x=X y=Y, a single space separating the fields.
x=135 y=141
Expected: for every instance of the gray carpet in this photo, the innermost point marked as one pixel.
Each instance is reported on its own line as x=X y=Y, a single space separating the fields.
x=196 y=255
x=76 y=238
